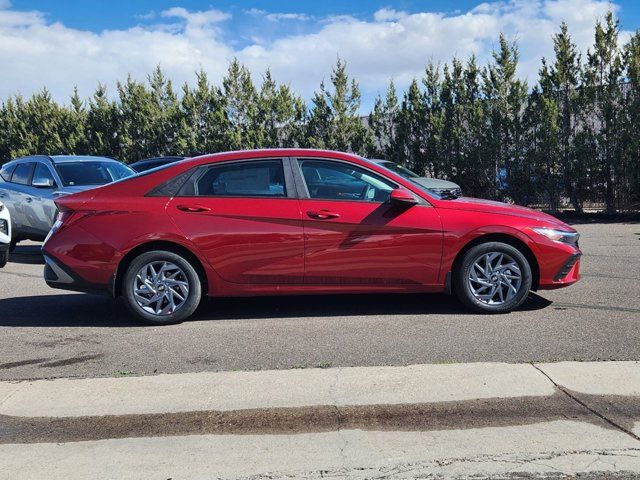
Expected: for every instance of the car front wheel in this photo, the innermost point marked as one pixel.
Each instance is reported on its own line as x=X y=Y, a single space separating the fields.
x=161 y=288
x=493 y=277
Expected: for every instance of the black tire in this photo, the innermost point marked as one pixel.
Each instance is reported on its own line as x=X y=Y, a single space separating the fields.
x=184 y=311
x=4 y=258
x=462 y=287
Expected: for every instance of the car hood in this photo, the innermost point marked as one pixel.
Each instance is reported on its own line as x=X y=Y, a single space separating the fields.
x=435 y=183
x=501 y=208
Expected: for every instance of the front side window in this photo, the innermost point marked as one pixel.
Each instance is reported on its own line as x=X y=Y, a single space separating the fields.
x=243 y=179
x=22 y=173
x=42 y=175
x=92 y=172
x=341 y=181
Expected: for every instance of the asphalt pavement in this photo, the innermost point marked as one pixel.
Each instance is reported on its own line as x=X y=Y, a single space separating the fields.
x=47 y=333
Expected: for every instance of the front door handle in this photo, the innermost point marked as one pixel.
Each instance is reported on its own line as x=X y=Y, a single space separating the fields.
x=193 y=208
x=29 y=199
x=322 y=214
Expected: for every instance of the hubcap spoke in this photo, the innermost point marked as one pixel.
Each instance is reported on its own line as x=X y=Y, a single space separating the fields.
x=494 y=278
x=160 y=288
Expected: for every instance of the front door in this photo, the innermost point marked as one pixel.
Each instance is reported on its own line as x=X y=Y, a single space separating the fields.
x=244 y=218
x=355 y=236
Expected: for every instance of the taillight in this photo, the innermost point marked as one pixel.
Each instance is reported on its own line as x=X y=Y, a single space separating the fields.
x=65 y=219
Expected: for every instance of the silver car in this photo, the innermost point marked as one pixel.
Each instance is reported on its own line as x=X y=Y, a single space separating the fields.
x=29 y=186
x=436 y=185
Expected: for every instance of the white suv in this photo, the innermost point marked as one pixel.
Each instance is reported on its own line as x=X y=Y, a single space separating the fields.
x=5 y=234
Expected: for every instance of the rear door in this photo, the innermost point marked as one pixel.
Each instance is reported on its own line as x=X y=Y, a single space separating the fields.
x=20 y=199
x=354 y=236
x=245 y=219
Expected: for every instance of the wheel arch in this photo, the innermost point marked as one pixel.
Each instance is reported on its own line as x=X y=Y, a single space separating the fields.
x=155 y=245
x=515 y=242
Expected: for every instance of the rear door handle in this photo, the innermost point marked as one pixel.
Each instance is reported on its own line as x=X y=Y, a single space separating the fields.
x=322 y=214
x=29 y=199
x=193 y=208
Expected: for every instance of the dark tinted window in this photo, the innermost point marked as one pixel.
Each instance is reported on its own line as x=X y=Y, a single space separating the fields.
x=22 y=173
x=92 y=172
x=244 y=179
x=341 y=181
x=6 y=172
x=41 y=173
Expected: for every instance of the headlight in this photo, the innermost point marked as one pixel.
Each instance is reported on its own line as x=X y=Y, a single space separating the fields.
x=559 y=235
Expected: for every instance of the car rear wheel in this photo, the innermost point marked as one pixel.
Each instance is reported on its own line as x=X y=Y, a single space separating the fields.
x=4 y=258
x=161 y=288
x=493 y=277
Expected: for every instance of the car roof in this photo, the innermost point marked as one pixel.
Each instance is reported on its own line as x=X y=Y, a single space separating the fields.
x=79 y=158
x=62 y=159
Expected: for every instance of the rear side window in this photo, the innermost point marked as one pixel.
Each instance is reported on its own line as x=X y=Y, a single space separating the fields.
x=6 y=171
x=243 y=179
x=22 y=173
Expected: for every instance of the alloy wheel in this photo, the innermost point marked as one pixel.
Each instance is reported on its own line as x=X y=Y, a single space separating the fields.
x=494 y=278
x=160 y=288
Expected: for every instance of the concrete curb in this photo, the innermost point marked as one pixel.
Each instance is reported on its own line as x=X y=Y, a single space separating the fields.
x=224 y=391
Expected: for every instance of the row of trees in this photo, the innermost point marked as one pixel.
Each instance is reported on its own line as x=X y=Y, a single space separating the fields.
x=572 y=137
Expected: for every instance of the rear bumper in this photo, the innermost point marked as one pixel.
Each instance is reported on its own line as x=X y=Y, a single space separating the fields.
x=58 y=275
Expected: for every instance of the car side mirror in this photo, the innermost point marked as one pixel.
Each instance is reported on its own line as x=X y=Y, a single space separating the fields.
x=400 y=196
x=42 y=183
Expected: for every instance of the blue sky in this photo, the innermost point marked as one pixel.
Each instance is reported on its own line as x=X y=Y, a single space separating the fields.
x=60 y=44
x=98 y=15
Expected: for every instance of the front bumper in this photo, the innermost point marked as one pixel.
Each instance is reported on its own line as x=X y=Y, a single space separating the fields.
x=567 y=274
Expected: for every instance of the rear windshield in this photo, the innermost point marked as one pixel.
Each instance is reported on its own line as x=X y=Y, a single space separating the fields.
x=92 y=173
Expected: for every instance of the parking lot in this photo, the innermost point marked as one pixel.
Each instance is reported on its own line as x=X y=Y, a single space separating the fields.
x=46 y=333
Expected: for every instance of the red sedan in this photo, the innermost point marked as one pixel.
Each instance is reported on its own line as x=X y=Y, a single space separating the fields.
x=294 y=221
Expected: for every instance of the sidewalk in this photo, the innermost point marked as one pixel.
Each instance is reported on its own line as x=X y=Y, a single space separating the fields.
x=400 y=422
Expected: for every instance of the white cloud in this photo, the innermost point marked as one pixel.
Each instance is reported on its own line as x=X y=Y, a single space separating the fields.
x=276 y=17
x=200 y=19
x=393 y=44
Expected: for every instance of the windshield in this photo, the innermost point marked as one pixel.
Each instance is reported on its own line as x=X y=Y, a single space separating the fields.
x=399 y=169
x=92 y=173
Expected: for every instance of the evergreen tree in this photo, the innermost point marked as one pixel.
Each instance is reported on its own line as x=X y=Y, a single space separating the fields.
x=602 y=107
x=561 y=82
x=102 y=125
x=632 y=118
x=204 y=125
x=74 y=126
x=475 y=173
x=334 y=121
x=382 y=122
x=44 y=125
x=241 y=97
x=506 y=95
x=281 y=114
x=412 y=129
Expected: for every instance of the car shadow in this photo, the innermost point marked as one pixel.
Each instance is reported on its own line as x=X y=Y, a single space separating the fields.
x=27 y=255
x=81 y=310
